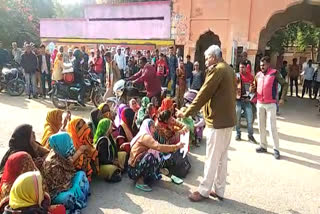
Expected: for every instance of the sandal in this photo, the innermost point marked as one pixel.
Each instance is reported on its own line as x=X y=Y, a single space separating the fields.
x=176 y=180
x=164 y=171
x=143 y=187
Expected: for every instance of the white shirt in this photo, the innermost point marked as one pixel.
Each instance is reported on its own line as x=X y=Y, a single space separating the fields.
x=120 y=60
x=44 y=67
x=308 y=73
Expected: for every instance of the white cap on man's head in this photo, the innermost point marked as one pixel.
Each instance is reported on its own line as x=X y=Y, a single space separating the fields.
x=70 y=50
x=118 y=47
x=213 y=50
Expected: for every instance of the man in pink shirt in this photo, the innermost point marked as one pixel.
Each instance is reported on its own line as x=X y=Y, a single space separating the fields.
x=148 y=76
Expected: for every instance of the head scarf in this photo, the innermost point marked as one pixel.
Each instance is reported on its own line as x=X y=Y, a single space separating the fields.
x=81 y=137
x=62 y=144
x=17 y=164
x=103 y=127
x=27 y=191
x=117 y=121
x=105 y=114
x=95 y=117
x=142 y=111
x=166 y=104
x=144 y=130
x=52 y=125
x=57 y=59
x=135 y=107
x=20 y=141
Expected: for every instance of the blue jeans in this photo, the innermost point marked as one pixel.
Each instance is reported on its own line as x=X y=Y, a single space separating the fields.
x=45 y=77
x=247 y=108
x=31 y=82
x=189 y=83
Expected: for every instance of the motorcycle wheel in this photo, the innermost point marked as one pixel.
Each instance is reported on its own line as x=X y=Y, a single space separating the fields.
x=15 y=87
x=58 y=104
x=97 y=98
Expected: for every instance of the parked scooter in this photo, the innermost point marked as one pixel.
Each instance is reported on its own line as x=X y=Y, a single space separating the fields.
x=12 y=79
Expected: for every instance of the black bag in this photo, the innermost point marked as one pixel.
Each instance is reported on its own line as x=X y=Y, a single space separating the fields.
x=177 y=165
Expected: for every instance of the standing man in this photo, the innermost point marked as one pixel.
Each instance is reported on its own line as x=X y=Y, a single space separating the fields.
x=29 y=63
x=4 y=57
x=127 y=54
x=98 y=66
x=217 y=97
x=156 y=57
x=85 y=58
x=267 y=87
x=112 y=74
x=284 y=73
x=294 y=72
x=16 y=52
x=68 y=58
x=244 y=82
x=197 y=77
x=188 y=68
x=148 y=56
x=44 y=67
x=121 y=61
x=173 y=65
x=308 y=74
x=317 y=82
x=148 y=76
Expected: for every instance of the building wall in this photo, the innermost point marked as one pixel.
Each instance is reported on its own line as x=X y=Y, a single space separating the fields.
x=232 y=20
x=148 y=20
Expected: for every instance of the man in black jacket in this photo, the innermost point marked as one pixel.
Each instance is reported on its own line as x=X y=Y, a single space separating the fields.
x=44 y=67
x=29 y=63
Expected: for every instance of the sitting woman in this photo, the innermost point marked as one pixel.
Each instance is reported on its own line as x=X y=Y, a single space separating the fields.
x=117 y=120
x=111 y=161
x=27 y=196
x=97 y=114
x=151 y=112
x=17 y=164
x=81 y=136
x=63 y=183
x=127 y=130
x=189 y=123
x=53 y=125
x=23 y=139
x=144 y=161
x=142 y=111
x=134 y=105
x=168 y=128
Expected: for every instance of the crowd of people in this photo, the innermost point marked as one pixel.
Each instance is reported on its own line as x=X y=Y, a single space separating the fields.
x=154 y=69
x=142 y=139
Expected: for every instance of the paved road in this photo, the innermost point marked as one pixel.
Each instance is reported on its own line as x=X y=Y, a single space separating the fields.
x=256 y=183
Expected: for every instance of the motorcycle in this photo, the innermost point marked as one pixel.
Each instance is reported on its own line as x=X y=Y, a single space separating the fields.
x=62 y=94
x=12 y=79
x=124 y=91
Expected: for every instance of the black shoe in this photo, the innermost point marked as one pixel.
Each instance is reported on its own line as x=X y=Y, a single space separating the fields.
x=261 y=150
x=82 y=103
x=276 y=154
x=238 y=138
x=252 y=140
x=35 y=96
x=29 y=97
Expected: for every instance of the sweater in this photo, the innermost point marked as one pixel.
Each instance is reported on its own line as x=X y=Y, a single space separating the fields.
x=217 y=96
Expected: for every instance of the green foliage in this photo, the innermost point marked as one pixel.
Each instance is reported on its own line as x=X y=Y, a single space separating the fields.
x=19 y=19
x=299 y=34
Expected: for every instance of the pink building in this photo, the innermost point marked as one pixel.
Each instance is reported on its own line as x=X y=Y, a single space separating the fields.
x=144 y=23
x=235 y=24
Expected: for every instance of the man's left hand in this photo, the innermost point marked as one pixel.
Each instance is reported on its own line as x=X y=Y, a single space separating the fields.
x=281 y=102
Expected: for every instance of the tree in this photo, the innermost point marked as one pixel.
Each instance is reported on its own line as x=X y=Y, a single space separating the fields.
x=19 y=19
x=299 y=34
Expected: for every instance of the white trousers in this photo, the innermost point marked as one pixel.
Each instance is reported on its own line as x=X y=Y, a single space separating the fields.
x=215 y=167
x=267 y=119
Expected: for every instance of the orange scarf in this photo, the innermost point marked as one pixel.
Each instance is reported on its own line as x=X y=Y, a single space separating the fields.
x=52 y=125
